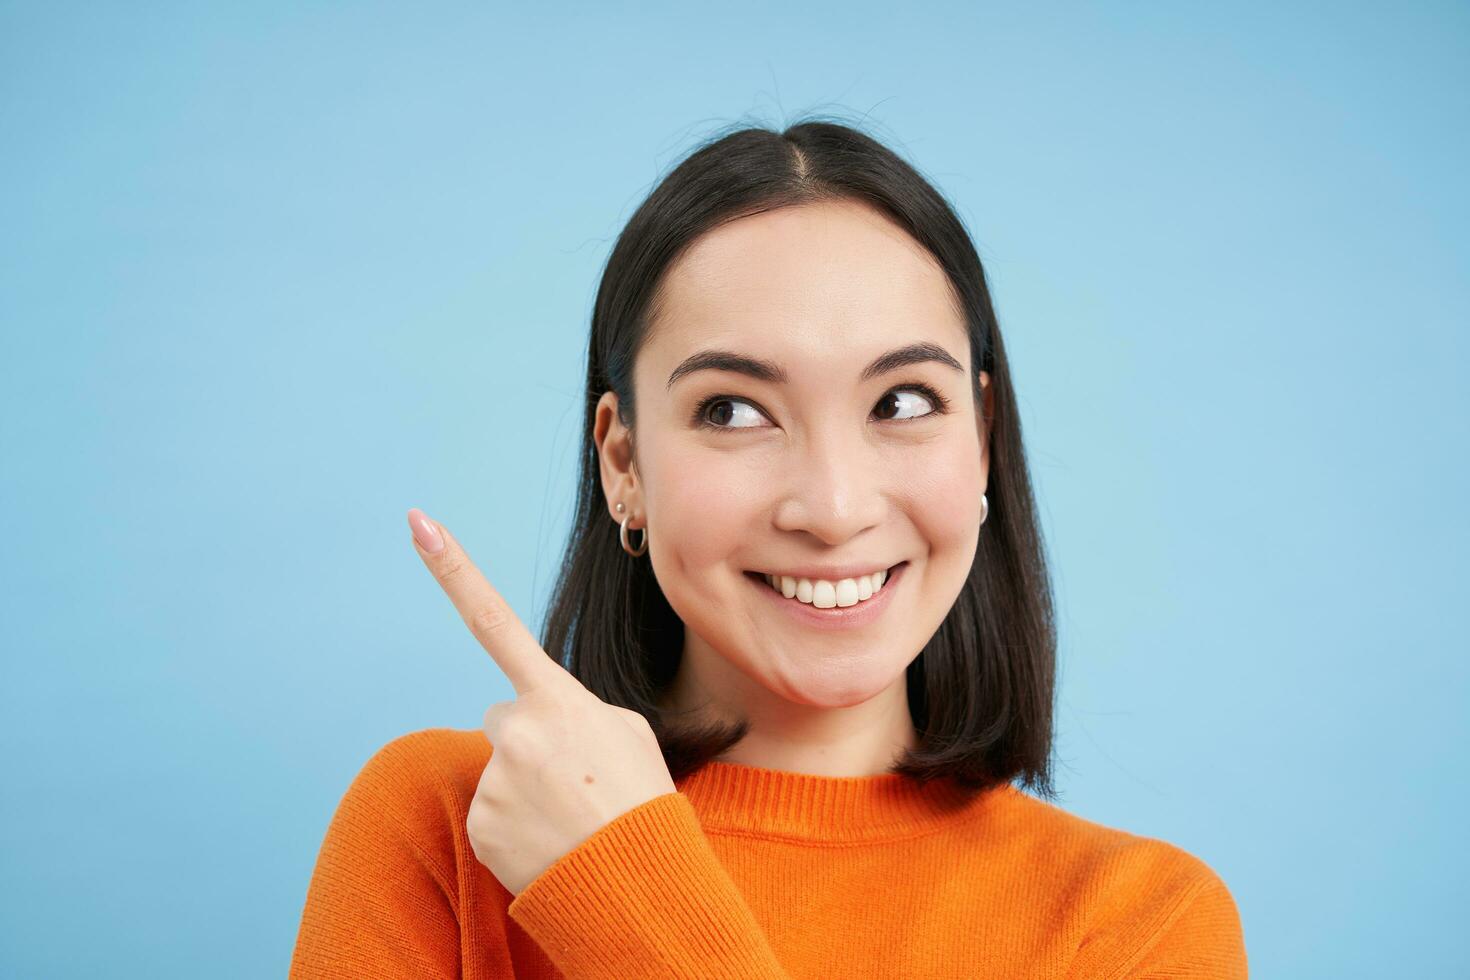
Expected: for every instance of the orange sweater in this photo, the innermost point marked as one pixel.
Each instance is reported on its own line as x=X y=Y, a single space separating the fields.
x=754 y=873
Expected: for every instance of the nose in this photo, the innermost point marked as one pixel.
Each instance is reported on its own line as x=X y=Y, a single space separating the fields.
x=835 y=490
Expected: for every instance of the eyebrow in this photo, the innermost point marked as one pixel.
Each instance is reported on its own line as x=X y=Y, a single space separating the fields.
x=761 y=370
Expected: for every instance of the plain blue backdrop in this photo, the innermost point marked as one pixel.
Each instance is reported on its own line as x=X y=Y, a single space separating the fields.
x=272 y=274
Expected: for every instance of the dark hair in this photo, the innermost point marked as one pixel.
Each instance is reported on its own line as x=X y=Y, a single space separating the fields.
x=981 y=691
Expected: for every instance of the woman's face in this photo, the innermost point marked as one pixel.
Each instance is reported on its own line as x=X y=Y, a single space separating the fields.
x=738 y=475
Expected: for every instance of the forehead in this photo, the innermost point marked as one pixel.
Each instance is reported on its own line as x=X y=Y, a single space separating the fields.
x=816 y=284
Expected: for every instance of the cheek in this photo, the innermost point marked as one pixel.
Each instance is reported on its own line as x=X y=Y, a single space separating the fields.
x=943 y=497
x=701 y=507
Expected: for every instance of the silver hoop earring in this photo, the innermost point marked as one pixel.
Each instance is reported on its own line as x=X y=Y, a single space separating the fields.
x=984 y=508
x=623 y=536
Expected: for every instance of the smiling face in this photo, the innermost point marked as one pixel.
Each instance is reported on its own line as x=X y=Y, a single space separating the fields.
x=848 y=461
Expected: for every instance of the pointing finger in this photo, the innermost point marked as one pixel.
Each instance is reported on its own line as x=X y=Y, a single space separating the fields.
x=500 y=631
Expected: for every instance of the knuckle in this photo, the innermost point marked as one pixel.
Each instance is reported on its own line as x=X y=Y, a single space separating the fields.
x=453 y=565
x=516 y=732
x=487 y=620
x=474 y=826
x=548 y=704
x=636 y=719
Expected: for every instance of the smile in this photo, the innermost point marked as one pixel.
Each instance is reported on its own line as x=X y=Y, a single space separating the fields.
x=844 y=604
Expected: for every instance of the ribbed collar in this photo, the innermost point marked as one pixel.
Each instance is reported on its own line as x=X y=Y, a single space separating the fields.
x=729 y=796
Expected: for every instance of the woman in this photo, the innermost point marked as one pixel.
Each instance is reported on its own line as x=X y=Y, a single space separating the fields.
x=803 y=635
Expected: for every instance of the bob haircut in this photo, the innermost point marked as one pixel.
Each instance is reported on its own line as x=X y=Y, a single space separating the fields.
x=981 y=691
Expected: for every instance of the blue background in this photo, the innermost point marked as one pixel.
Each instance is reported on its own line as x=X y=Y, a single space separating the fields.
x=270 y=276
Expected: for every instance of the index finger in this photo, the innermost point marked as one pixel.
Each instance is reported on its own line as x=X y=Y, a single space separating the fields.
x=500 y=631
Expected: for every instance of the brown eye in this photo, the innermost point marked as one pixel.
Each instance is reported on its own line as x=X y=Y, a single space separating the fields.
x=893 y=399
x=719 y=412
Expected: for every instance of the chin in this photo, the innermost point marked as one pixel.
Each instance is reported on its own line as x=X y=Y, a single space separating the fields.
x=838 y=685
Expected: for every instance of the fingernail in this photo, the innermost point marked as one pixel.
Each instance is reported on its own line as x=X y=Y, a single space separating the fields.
x=424 y=531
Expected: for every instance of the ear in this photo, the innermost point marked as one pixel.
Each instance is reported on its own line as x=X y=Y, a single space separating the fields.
x=614 y=443
x=983 y=423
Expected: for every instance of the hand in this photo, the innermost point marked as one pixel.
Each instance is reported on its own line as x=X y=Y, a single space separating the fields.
x=563 y=762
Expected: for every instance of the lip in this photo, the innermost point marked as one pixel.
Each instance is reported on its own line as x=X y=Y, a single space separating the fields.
x=832 y=573
x=837 y=617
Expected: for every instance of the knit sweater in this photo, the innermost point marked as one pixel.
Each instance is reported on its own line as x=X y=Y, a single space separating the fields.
x=754 y=873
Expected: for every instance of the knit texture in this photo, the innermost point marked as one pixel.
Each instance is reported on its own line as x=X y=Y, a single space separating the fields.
x=754 y=873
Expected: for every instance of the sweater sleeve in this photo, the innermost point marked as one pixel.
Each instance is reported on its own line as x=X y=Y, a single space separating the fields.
x=645 y=896
x=1203 y=940
x=1170 y=916
x=380 y=903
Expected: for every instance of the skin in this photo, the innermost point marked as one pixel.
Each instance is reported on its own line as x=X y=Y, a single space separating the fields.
x=812 y=473
x=825 y=468
x=563 y=762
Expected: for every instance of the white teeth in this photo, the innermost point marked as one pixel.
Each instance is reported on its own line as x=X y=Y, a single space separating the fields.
x=824 y=594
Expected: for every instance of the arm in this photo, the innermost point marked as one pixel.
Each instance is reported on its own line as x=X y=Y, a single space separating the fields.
x=576 y=815
x=1204 y=940
x=380 y=903
x=646 y=896
x=1184 y=928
